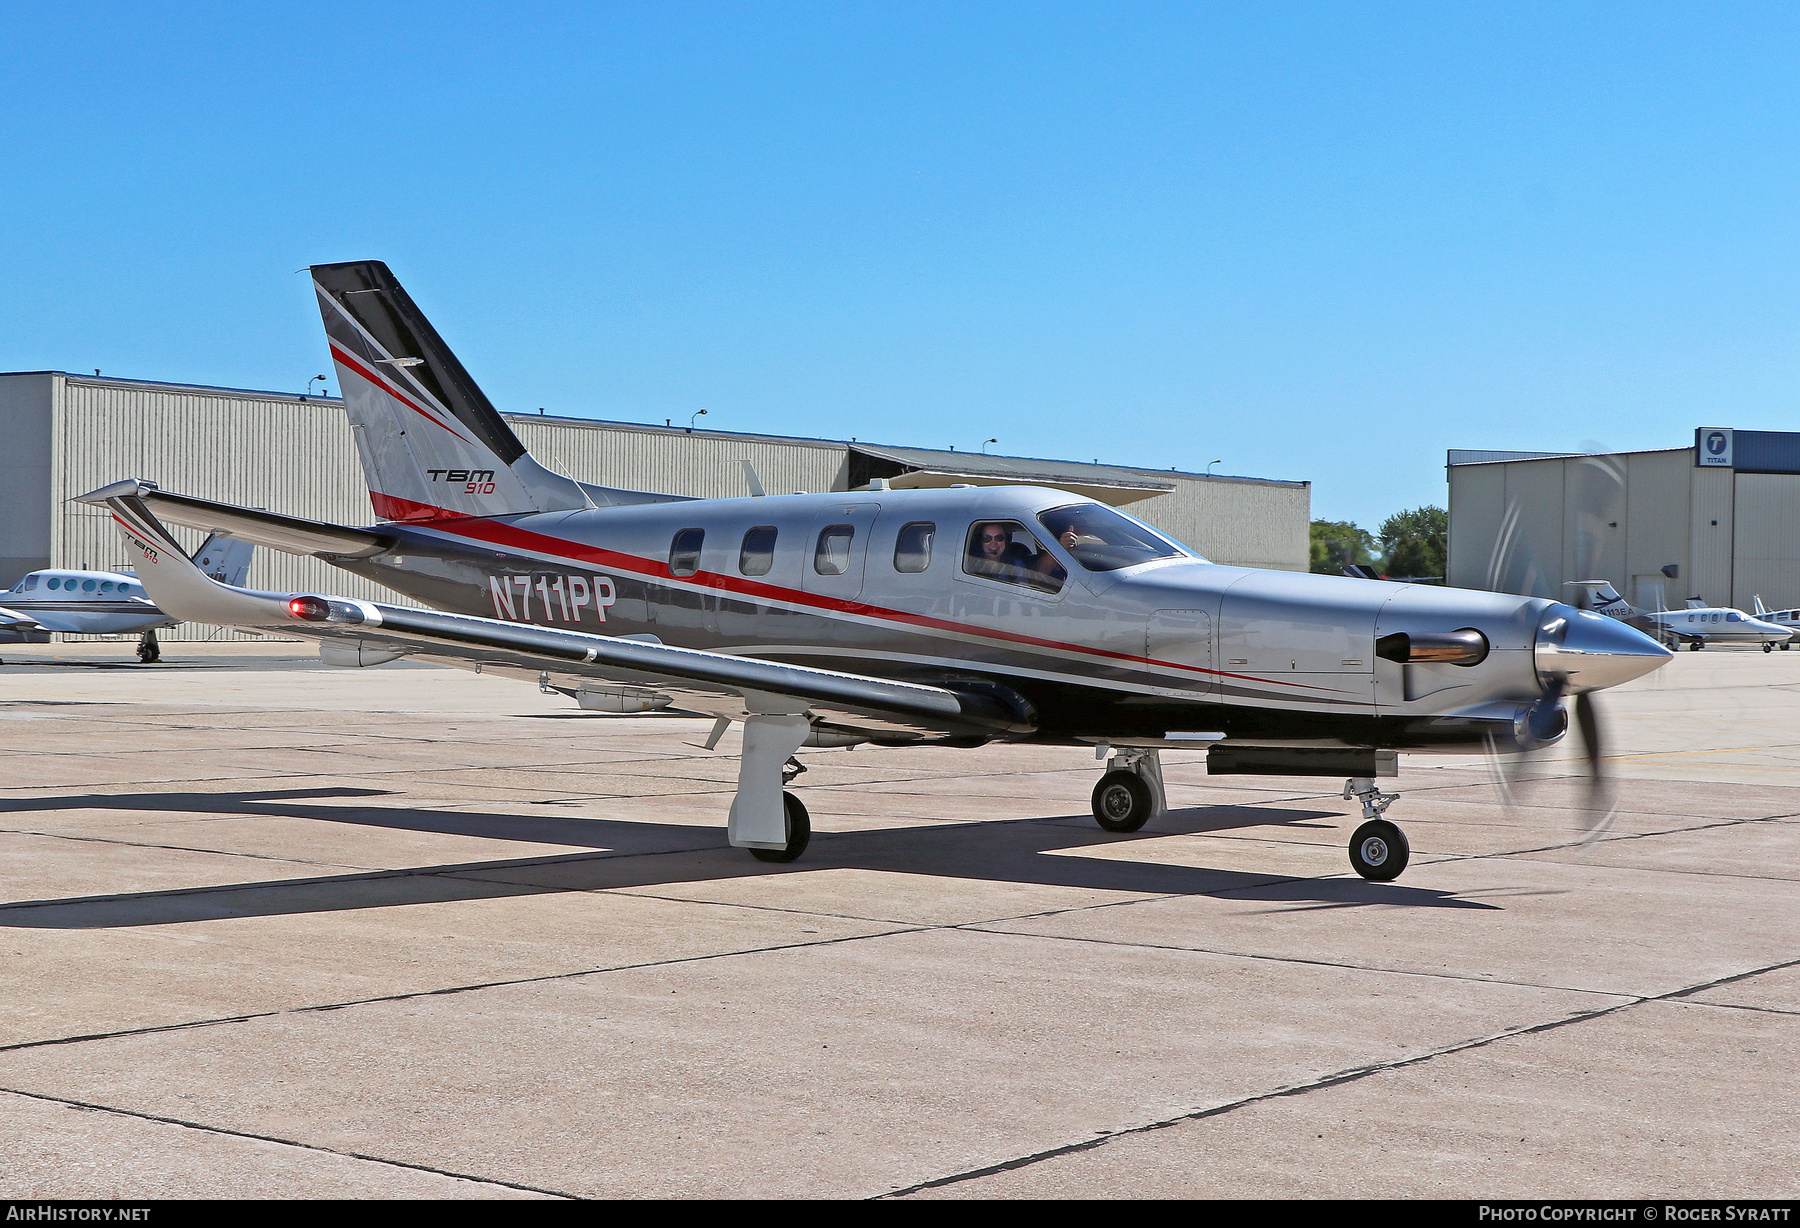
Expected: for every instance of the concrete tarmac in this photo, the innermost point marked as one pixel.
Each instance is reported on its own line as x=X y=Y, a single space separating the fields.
x=272 y=929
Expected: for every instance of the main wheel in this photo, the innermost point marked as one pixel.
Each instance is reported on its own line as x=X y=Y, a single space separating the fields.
x=1122 y=801
x=1379 y=850
x=149 y=653
x=1696 y=645
x=1768 y=647
x=799 y=832
x=1786 y=644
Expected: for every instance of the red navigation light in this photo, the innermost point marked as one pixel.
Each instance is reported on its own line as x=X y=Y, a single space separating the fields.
x=311 y=609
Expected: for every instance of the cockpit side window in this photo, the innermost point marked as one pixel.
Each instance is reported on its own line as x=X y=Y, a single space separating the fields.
x=684 y=552
x=1006 y=550
x=1102 y=539
x=757 y=556
x=30 y=583
x=912 y=549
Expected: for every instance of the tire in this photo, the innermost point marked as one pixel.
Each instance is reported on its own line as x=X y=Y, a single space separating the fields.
x=799 y=833
x=1122 y=801
x=1768 y=647
x=1696 y=645
x=1787 y=645
x=1379 y=851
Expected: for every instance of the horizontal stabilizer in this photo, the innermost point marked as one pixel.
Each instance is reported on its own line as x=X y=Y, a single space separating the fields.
x=288 y=533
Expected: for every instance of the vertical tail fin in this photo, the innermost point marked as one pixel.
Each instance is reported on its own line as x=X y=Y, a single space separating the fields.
x=1757 y=600
x=225 y=559
x=431 y=443
x=1603 y=598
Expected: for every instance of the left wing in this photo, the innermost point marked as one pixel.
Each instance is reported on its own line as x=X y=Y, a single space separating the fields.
x=712 y=682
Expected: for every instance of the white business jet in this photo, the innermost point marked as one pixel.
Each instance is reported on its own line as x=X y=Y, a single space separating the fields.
x=1698 y=625
x=106 y=602
x=1781 y=618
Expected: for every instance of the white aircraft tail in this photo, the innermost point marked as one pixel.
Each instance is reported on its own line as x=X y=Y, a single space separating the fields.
x=1603 y=598
x=225 y=559
x=432 y=445
x=1760 y=609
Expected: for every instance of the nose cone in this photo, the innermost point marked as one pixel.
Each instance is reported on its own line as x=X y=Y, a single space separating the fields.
x=1590 y=651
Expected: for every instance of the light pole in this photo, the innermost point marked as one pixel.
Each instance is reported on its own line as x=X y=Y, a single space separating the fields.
x=985 y=444
x=1209 y=465
x=697 y=413
x=317 y=379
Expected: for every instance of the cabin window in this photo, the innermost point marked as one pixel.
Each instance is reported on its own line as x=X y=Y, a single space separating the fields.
x=1006 y=550
x=831 y=557
x=1102 y=539
x=912 y=549
x=55 y=582
x=87 y=586
x=758 y=553
x=684 y=552
x=106 y=586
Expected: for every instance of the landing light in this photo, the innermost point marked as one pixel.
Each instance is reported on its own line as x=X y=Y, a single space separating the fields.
x=309 y=609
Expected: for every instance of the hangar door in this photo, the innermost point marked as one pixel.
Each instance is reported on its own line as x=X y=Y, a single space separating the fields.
x=1765 y=546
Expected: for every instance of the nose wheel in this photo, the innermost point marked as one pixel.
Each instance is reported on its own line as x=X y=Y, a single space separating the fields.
x=1378 y=850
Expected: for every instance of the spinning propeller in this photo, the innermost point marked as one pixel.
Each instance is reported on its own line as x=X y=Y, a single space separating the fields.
x=1595 y=495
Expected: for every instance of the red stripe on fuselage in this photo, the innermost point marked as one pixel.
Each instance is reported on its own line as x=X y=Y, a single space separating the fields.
x=500 y=533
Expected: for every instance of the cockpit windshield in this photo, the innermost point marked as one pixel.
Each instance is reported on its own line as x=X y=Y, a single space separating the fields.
x=1102 y=539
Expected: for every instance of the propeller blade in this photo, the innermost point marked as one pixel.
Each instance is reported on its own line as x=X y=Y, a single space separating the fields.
x=1601 y=804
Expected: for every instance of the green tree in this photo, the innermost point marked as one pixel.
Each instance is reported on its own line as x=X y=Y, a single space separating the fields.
x=1338 y=542
x=1414 y=543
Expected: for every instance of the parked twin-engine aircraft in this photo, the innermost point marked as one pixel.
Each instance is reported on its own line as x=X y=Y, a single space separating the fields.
x=943 y=617
x=1698 y=625
x=106 y=602
x=1789 y=619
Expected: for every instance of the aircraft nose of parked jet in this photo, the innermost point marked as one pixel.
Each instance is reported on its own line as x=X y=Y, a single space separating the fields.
x=1591 y=651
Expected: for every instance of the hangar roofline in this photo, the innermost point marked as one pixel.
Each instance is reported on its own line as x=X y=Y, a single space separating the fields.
x=969 y=464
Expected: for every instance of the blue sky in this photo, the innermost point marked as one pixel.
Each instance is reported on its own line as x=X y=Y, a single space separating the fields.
x=1312 y=242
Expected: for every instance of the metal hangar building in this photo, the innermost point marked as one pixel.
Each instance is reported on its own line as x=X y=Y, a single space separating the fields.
x=1715 y=520
x=68 y=434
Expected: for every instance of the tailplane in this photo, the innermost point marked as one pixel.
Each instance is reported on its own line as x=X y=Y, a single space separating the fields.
x=432 y=445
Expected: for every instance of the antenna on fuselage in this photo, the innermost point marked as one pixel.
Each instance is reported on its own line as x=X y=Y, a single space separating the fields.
x=579 y=488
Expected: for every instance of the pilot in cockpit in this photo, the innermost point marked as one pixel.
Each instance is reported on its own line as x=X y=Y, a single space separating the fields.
x=996 y=552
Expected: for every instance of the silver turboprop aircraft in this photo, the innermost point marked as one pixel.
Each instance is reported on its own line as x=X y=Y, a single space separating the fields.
x=898 y=617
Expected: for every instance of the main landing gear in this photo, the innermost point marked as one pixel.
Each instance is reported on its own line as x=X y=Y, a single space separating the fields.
x=1768 y=647
x=148 y=650
x=1378 y=849
x=1131 y=794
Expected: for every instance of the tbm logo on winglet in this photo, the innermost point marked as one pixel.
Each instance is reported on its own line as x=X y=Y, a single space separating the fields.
x=562 y=597
x=478 y=481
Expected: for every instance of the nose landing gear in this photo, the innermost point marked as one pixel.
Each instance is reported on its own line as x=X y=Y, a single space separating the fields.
x=1378 y=850
x=148 y=650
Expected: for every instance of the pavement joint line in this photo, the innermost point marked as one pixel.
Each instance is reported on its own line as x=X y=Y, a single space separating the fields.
x=1336 y=1079
x=285 y=1142
x=444 y=991
x=182 y=848
x=1739 y=1006
x=1304 y=961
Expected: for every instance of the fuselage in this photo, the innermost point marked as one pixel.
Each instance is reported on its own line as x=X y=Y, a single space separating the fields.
x=85 y=602
x=1722 y=626
x=894 y=583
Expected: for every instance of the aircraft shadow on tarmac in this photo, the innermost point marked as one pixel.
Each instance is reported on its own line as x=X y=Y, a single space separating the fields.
x=627 y=853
